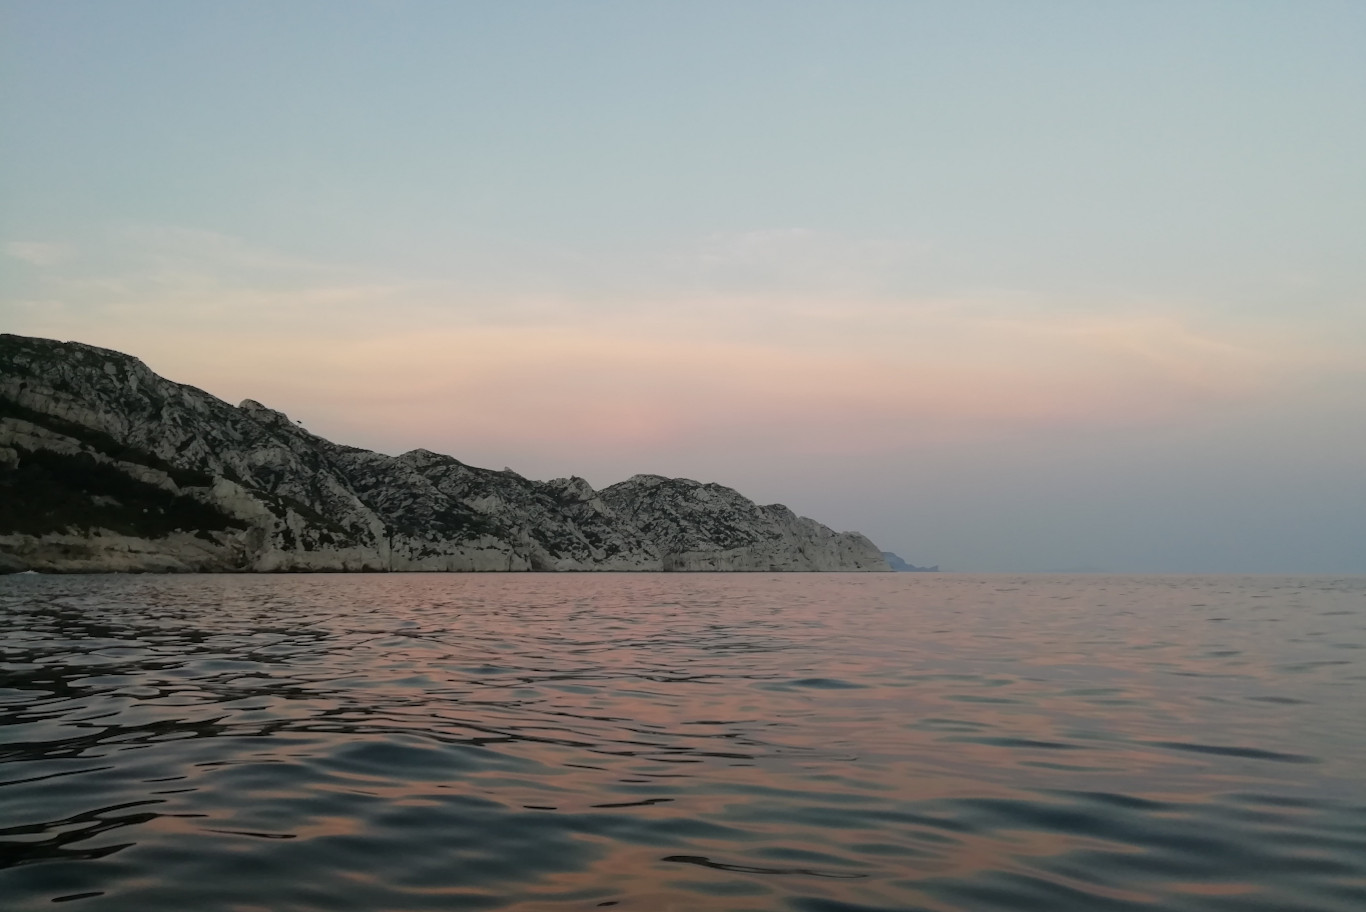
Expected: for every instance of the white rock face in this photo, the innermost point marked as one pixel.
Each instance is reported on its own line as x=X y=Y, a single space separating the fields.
x=699 y=526
x=106 y=466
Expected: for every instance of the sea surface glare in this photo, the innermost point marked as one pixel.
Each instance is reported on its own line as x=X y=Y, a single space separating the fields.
x=808 y=742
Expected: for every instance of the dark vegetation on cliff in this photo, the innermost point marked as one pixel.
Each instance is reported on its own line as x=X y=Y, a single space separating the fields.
x=56 y=492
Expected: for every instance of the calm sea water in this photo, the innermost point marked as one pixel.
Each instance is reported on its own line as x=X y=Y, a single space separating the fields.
x=820 y=743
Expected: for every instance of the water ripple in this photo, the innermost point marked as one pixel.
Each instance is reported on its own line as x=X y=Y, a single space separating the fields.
x=833 y=743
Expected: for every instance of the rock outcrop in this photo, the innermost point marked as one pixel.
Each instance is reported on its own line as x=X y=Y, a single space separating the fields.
x=710 y=527
x=105 y=466
x=895 y=562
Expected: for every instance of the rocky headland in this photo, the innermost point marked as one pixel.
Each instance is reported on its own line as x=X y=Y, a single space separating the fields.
x=106 y=466
x=895 y=562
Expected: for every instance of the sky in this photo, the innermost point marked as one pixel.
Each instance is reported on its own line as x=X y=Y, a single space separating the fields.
x=1006 y=286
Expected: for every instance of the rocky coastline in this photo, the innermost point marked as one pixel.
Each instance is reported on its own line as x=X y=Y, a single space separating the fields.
x=107 y=467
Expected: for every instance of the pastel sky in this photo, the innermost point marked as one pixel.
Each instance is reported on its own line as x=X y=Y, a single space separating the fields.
x=1007 y=286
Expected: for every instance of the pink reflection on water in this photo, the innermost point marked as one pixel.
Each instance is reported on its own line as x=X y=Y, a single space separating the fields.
x=743 y=742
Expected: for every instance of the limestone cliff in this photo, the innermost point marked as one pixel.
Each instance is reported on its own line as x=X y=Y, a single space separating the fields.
x=106 y=466
x=710 y=527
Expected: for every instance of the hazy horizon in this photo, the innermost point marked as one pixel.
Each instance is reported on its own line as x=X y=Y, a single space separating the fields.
x=1006 y=287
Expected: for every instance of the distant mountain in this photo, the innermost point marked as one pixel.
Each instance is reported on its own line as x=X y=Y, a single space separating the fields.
x=896 y=563
x=106 y=466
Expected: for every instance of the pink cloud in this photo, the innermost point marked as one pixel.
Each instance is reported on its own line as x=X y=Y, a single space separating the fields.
x=596 y=388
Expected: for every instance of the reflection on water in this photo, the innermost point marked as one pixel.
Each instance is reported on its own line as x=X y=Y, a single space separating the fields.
x=831 y=743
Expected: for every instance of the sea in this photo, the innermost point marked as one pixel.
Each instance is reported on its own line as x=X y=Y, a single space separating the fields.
x=804 y=742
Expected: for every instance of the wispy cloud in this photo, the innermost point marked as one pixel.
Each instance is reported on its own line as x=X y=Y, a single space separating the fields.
x=770 y=364
x=37 y=253
x=801 y=260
